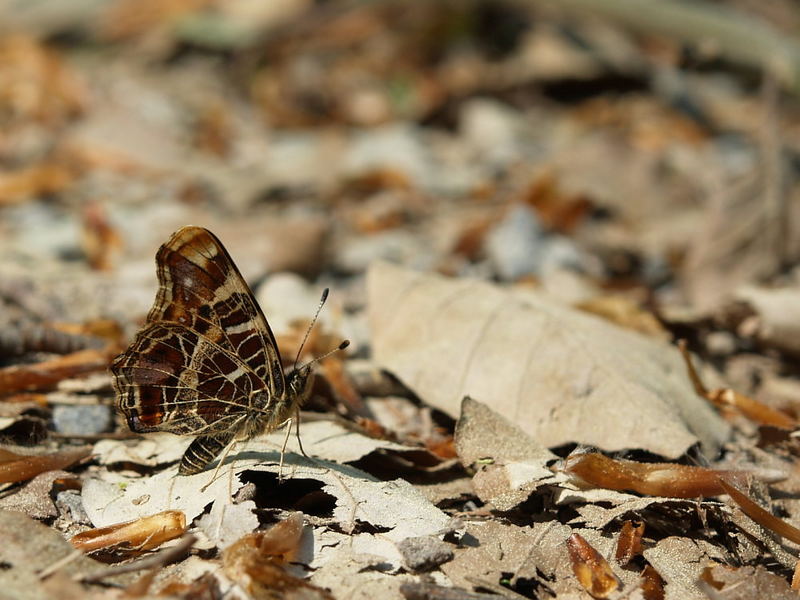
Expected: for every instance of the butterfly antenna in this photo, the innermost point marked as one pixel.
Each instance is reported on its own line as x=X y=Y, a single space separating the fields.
x=311 y=326
x=341 y=346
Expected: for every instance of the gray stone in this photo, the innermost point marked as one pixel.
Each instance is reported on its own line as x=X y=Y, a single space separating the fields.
x=516 y=244
x=82 y=419
x=70 y=504
x=424 y=553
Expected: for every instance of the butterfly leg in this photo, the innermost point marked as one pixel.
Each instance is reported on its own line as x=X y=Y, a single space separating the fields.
x=297 y=432
x=283 y=448
x=219 y=464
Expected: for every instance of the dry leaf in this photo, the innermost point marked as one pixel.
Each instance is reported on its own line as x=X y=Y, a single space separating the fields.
x=561 y=375
x=396 y=508
x=510 y=465
x=556 y=210
x=142 y=534
x=651 y=479
x=213 y=131
x=46 y=374
x=624 y=312
x=357 y=575
x=36 y=84
x=746 y=583
x=29 y=547
x=35 y=499
x=776 y=323
x=29 y=182
x=629 y=542
x=733 y=243
x=501 y=545
x=264 y=579
x=150 y=451
x=100 y=240
x=256 y=562
x=18 y=467
x=56 y=338
x=591 y=569
x=228 y=522
x=680 y=562
x=325 y=439
x=130 y=18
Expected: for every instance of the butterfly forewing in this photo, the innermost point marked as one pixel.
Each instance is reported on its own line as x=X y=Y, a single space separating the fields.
x=199 y=283
x=205 y=348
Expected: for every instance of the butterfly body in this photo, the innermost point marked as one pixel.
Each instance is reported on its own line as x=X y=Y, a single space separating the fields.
x=206 y=362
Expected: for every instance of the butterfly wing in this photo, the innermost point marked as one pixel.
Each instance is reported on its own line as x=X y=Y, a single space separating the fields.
x=205 y=347
x=171 y=379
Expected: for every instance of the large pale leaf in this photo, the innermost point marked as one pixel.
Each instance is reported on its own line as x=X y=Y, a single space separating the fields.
x=394 y=508
x=559 y=374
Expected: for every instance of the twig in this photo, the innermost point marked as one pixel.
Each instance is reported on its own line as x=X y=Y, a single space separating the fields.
x=699 y=388
x=160 y=559
x=60 y=563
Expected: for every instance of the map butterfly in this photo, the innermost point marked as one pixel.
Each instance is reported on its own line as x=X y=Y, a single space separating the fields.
x=205 y=363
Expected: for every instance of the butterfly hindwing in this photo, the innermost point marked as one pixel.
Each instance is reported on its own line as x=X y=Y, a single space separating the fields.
x=172 y=380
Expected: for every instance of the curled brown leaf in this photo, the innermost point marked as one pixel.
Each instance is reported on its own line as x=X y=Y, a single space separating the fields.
x=19 y=467
x=754 y=410
x=650 y=479
x=142 y=534
x=592 y=570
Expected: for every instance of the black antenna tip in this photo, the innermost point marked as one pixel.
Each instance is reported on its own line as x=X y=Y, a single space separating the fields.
x=344 y=345
x=324 y=295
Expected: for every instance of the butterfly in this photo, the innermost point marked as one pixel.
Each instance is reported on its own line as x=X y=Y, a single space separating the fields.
x=205 y=363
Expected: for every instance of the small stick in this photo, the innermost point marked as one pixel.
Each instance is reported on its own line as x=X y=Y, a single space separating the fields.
x=159 y=559
x=61 y=562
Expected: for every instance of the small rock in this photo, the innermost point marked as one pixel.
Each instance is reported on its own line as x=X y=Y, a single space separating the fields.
x=424 y=553
x=491 y=128
x=82 y=419
x=559 y=252
x=515 y=245
x=70 y=504
x=721 y=343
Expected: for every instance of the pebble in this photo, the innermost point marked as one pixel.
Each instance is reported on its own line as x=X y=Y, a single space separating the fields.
x=721 y=343
x=70 y=504
x=515 y=245
x=82 y=419
x=491 y=129
x=424 y=553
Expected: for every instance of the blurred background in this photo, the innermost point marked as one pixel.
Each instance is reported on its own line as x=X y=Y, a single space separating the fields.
x=646 y=149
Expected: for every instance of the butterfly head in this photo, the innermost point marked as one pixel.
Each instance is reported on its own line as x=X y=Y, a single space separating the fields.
x=300 y=382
